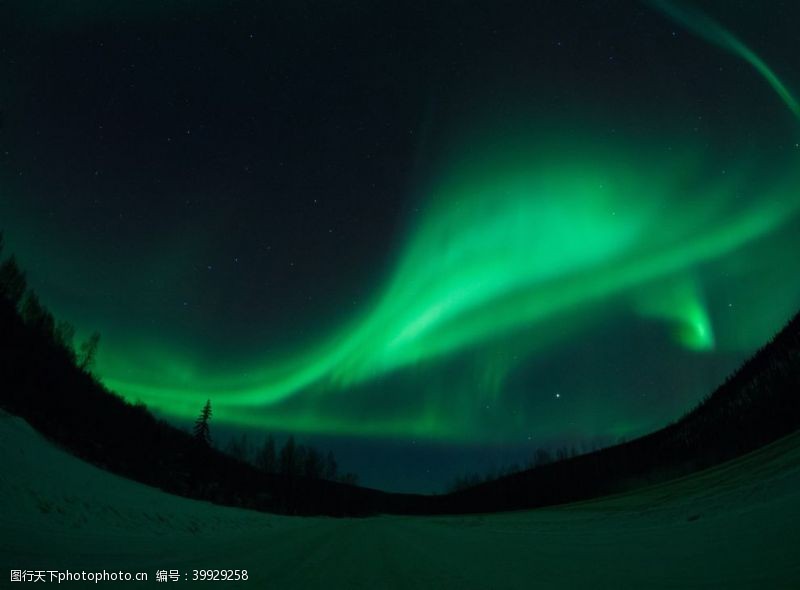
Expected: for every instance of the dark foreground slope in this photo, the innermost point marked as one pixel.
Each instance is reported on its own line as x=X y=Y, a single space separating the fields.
x=734 y=526
x=759 y=404
x=40 y=382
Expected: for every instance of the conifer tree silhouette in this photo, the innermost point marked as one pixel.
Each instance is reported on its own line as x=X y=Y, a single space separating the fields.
x=202 y=432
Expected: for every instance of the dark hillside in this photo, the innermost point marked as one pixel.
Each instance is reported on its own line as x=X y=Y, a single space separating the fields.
x=41 y=382
x=758 y=404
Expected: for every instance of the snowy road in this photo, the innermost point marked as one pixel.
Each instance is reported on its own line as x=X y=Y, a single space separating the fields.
x=736 y=526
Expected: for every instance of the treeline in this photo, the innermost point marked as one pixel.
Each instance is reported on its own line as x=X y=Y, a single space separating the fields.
x=14 y=289
x=539 y=458
x=48 y=381
x=292 y=459
x=755 y=406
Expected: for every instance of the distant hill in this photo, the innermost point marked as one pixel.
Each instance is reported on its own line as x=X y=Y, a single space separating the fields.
x=758 y=404
x=41 y=381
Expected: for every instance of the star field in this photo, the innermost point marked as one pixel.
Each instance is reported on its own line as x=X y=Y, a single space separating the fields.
x=433 y=238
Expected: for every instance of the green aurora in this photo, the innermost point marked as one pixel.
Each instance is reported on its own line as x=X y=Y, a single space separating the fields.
x=525 y=241
x=519 y=238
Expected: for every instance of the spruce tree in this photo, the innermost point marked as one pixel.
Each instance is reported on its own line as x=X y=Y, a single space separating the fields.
x=202 y=433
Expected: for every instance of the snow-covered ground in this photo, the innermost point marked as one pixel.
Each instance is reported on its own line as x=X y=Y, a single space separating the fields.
x=735 y=526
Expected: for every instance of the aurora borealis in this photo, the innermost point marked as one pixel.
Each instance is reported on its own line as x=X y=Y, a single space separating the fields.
x=469 y=233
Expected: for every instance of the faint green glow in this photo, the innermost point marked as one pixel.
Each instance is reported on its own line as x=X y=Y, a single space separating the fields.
x=712 y=31
x=518 y=244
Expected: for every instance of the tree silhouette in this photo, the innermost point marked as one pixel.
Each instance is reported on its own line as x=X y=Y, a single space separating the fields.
x=88 y=352
x=330 y=470
x=37 y=316
x=298 y=466
x=239 y=448
x=12 y=281
x=313 y=463
x=542 y=457
x=266 y=459
x=65 y=334
x=288 y=458
x=349 y=478
x=202 y=433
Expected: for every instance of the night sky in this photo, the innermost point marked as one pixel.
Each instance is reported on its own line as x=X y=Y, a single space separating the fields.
x=429 y=236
